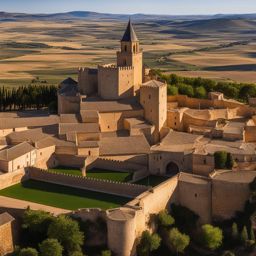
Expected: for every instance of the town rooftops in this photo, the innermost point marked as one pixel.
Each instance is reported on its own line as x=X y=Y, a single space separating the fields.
x=5 y=218
x=129 y=34
x=16 y=151
x=79 y=127
x=100 y=105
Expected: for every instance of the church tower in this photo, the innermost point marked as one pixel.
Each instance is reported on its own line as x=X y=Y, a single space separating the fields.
x=131 y=55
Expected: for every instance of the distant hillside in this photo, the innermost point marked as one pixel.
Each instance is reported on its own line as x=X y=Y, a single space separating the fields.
x=4 y=16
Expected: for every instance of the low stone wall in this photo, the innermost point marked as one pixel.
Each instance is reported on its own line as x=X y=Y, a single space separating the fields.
x=110 y=187
x=12 y=178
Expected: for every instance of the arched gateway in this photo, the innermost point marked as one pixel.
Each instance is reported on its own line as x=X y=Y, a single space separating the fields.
x=172 y=169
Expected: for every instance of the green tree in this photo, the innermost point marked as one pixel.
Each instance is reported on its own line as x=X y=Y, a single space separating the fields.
x=178 y=241
x=148 y=243
x=35 y=225
x=172 y=90
x=50 y=247
x=220 y=159
x=211 y=237
x=234 y=233
x=28 y=252
x=247 y=91
x=165 y=219
x=230 y=161
x=200 y=92
x=244 y=235
x=186 y=90
x=67 y=232
x=106 y=253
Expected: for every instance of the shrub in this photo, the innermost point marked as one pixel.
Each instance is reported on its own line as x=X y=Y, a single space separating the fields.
x=50 y=247
x=235 y=234
x=172 y=90
x=148 y=243
x=165 y=219
x=220 y=159
x=67 y=232
x=252 y=235
x=211 y=237
x=186 y=90
x=28 y=252
x=178 y=241
x=228 y=253
x=200 y=92
x=230 y=161
x=77 y=253
x=244 y=235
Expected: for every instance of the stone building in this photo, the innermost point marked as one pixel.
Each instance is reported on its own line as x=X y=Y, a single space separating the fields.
x=6 y=234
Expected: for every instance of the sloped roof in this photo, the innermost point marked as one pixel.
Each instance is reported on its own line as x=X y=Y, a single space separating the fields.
x=16 y=151
x=153 y=84
x=68 y=87
x=5 y=218
x=129 y=34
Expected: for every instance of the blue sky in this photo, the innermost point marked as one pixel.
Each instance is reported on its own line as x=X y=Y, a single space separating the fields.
x=131 y=6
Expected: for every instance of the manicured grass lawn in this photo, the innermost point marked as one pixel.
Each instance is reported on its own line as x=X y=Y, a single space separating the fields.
x=62 y=196
x=97 y=174
x=152 y=180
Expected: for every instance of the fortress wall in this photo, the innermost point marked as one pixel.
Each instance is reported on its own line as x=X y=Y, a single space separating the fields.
x=88 y=151
x=203 y=164
x=108 y=78
x=12 y=178
x=175 y=120
x=115 y=188
x=110 y=122
x=91 y=214
x=190 y=120
x=197 y=197
x=87 y=136
x=5 y=132
x=71 y=160
x=87 y=81
x=68 y=105
x=229 y=197
x=126 y=82
x=66 y=150
x=45 y=158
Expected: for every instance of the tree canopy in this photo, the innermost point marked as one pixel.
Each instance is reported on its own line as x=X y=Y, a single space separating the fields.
x=178 y=241
x=211 y=236
x=148 y=243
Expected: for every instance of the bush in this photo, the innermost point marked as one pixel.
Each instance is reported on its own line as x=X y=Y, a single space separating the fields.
x=77 y=253
x=200 y=92
x=172 y=90
x=165 y=219
x=244 y=235
x=220 y=159
x=211 y=237
x=235 y=234
x=186 y=90
x=178 y=241
x=148 y=243
x=67 y=232
x=50 y=247
x=28 y=252
x=230 y=161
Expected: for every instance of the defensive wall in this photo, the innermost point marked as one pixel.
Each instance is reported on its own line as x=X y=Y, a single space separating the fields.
x=104 y=186
x=12 y=178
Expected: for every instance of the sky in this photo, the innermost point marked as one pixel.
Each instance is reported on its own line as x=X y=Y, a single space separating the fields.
x=171 y=7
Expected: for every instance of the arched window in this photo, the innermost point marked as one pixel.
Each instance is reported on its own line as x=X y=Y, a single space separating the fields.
x=125 y=48
x=134 y=48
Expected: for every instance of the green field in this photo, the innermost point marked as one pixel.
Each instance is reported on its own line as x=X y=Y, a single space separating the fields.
x=62 y=196
x=152 y=180
x=97 y=174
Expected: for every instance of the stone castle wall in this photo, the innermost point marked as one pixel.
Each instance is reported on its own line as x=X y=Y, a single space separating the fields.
x=6 y=239
x=103 y=186
x=12 y=178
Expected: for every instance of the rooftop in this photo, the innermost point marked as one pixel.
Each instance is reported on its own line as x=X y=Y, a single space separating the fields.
x=5 y=218
x=153 y=84
x=129 y=34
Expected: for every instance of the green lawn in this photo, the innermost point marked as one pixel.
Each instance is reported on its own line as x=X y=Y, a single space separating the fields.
x=62 y=196
x=152 y=180
x=97 y=174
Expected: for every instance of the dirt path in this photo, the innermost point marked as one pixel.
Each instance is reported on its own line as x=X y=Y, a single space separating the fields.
x=7 y=202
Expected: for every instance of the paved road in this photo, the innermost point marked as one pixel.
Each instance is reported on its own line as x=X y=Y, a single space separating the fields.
x=7 y=202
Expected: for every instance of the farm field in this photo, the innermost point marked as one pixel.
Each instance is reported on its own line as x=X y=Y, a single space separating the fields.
x=62 y=196
x=47 y=51
x=97 y=174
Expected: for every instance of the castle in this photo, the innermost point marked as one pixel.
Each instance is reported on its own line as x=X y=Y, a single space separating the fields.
x=115 y=117
x=120 y=94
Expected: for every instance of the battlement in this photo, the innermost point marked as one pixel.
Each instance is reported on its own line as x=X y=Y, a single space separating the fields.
x=114 y=67
x=90 y=71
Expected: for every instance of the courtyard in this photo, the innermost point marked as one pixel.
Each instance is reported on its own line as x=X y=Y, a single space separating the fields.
x=62 y=196
x=96 y=173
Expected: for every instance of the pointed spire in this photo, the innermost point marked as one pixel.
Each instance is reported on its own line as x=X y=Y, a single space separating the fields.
x=129 y=34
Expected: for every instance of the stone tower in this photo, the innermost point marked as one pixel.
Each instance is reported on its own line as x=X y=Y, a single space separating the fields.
x=131 y=55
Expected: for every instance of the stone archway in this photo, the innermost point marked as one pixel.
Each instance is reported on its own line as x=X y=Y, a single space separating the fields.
x=172 y=169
